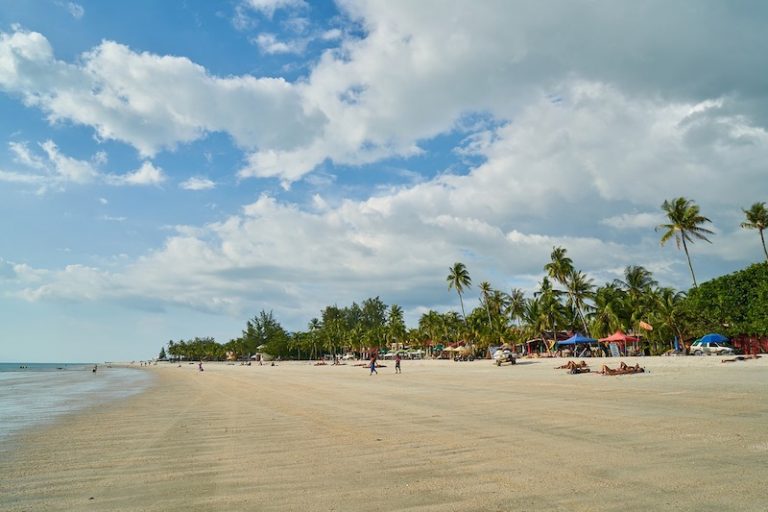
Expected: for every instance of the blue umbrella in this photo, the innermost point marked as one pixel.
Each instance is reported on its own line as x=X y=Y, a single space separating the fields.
x=577 y=339
x=717 y=338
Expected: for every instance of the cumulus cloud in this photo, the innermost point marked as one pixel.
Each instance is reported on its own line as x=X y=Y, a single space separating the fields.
x=197 y=183
x=414 y=74
x=152 y=101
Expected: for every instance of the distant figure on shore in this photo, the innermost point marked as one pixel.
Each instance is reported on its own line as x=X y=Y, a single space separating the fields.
x=373 y=366
x=397 y=364
x=200 y=366
x=94 y=368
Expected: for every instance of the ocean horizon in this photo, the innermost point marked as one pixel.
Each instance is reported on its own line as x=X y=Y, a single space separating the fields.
x=33 y=394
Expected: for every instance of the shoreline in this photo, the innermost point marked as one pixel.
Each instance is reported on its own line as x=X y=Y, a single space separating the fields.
x=442 y=435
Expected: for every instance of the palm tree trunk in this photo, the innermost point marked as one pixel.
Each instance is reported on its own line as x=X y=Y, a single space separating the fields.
x=463 y=314
x=685 y=248
x=762 y=239
x=583 y=321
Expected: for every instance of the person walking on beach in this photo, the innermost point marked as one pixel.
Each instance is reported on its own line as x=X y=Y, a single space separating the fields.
x=397 y=364
x=200 y=366
x=373 y=365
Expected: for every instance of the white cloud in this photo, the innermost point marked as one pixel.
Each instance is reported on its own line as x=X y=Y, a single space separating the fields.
x=151 y=101
x=197 y=183
x=268 y=7
x=76 y=10
x=269 y=44
x=17 y=177
x=147 y=174
x=634 y=220
x=331 y=35
x=25 y=157
x=68 y=168
x=103 y=200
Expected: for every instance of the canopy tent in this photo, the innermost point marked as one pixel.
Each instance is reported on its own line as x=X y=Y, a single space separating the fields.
x=577 y=339
x=717 y=338
x=620 y=337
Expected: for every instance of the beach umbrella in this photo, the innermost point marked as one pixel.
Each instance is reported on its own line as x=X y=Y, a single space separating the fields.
x=577 y=339
x=620 y=337
x=713 y=336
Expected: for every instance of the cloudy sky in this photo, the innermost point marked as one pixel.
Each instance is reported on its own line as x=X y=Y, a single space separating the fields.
x=169 y=169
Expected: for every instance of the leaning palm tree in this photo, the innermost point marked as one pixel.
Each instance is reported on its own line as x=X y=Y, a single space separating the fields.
x=458 y=278
x=685 y=224
x=757 y=218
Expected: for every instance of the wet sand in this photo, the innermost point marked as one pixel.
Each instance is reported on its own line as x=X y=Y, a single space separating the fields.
x=692 y=434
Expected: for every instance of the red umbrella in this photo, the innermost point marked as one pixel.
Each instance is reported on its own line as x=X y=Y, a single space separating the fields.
x=620 y=337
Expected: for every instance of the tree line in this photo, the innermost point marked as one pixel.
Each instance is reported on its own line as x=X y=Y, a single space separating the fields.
x=566 y=300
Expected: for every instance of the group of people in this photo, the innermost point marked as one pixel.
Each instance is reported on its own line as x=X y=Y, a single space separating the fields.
x=373 y=365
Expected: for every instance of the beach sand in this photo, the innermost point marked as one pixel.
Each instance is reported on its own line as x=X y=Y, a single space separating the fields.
x=692 y=434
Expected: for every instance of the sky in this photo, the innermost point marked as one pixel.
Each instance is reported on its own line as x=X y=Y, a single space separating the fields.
x=170 y=169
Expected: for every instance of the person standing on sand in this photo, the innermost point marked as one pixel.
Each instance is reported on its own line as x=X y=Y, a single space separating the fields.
x=200 y=366
x=397 y=364
x=373 y=365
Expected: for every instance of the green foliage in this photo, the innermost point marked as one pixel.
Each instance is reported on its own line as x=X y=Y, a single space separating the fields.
x=161 y=356
x=732 y=304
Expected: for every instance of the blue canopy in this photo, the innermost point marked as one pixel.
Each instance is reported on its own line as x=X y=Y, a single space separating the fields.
x=577 y=339
x=714 y=337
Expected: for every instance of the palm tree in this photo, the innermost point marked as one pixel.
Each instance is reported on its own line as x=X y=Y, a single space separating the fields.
x=515 y=304
x=638 y=284
x=609 y=309
x=685 y=224
x=580 y=288
x=550 y=306
x=396 y=330
x=757 y=218
x=485 y=291
x=561 y=265
x=458 y=277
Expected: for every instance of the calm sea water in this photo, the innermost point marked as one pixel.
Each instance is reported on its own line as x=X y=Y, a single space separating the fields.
x=35 y=393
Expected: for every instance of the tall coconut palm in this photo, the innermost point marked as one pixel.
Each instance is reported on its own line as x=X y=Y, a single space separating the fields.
x=516 y=304
x=560 y=266
x=485 y=292
x=579 y=288
x=458 y=278
x=685 y=224
x=550 y=305
x=757 y=218
x=561 y=269
x=395 y=328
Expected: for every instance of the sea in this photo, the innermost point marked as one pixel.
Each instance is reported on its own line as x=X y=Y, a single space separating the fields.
x=32 y=394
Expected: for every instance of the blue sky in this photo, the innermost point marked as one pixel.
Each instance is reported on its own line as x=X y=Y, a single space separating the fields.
x=169 y=169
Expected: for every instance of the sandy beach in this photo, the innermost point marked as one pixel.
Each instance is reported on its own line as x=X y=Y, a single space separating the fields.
x=688 y=435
